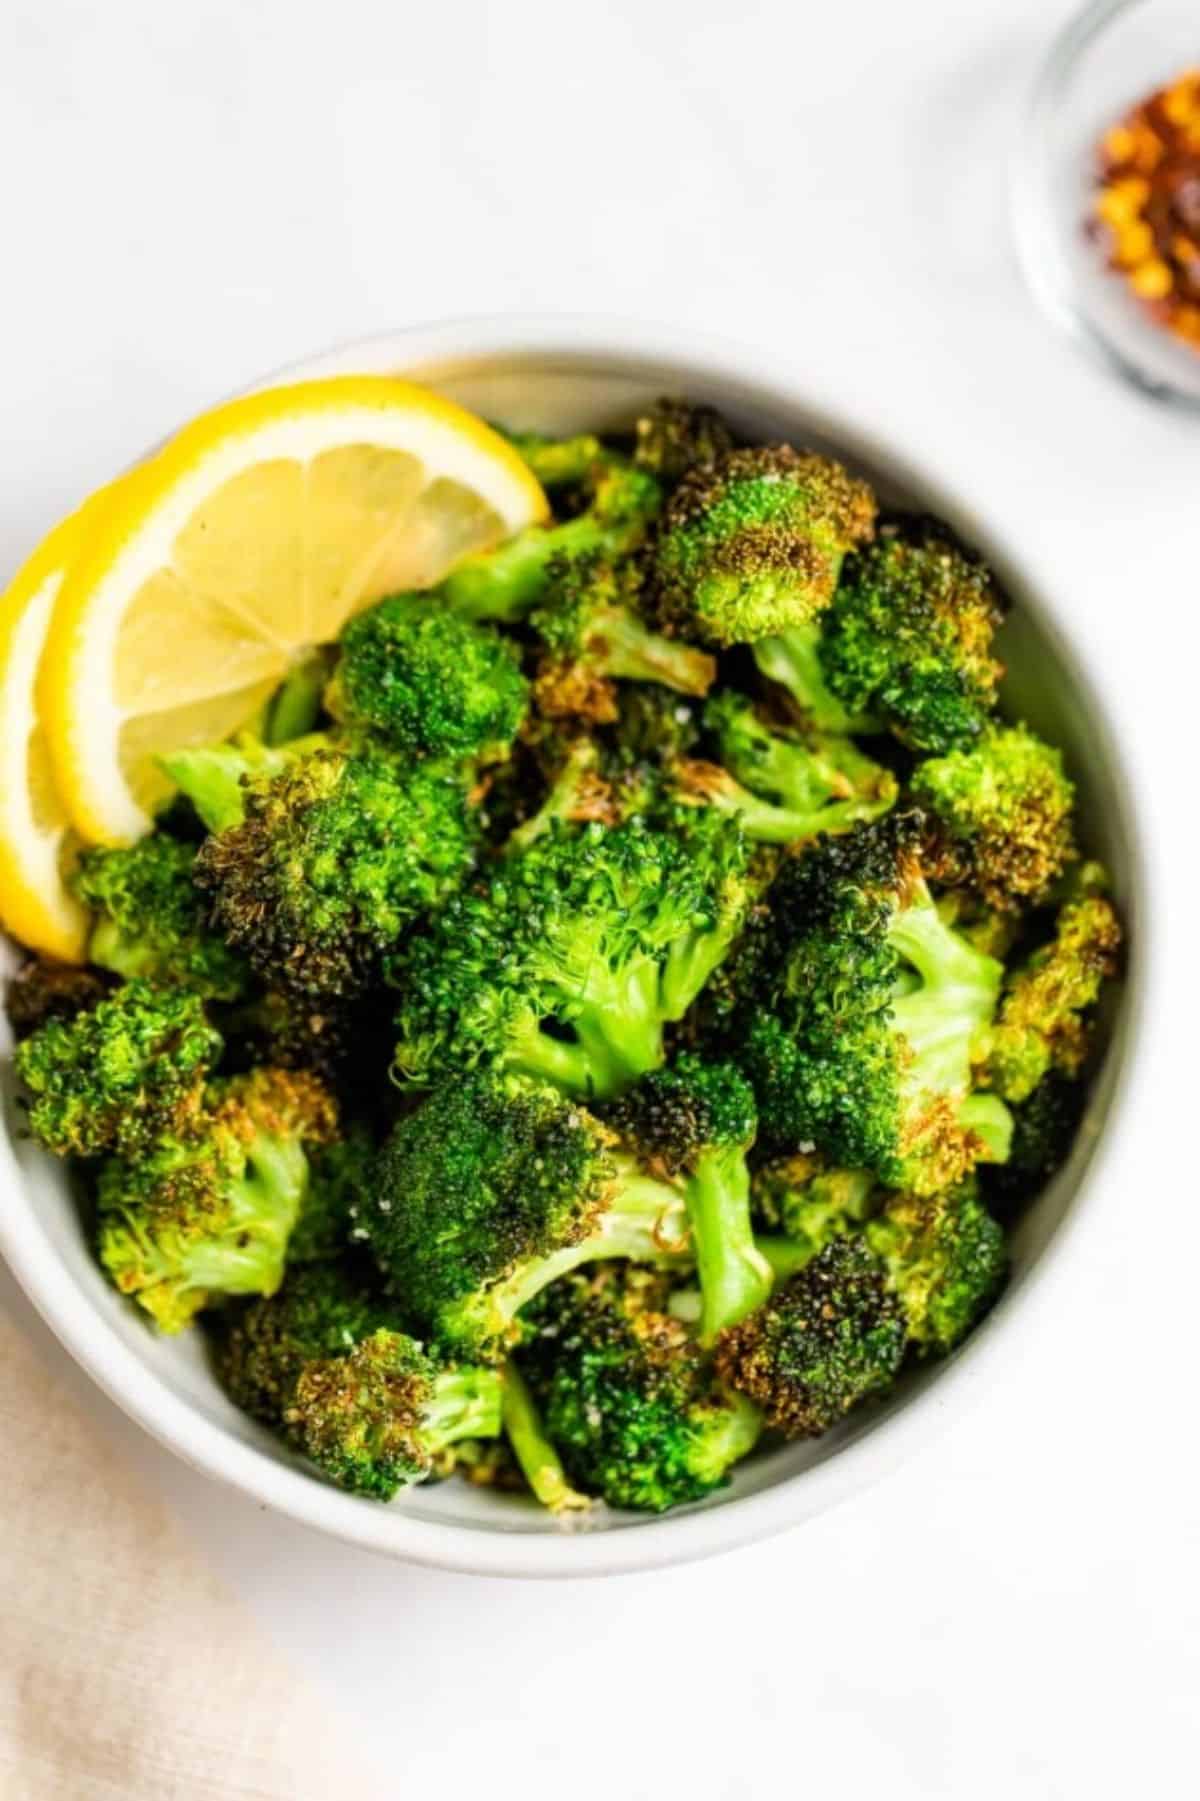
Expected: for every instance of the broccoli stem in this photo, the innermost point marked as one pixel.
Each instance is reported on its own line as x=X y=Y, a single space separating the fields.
x=540 y=1463
x=581 y=765
x=784 y=1256
x=957 y=997
x=632 y=652
x=792 y=659
x=505 y=584
x=560 y=462
x=465 y=1403
x=989 y=1119
x=767 y=823
x=735 y=1277
x=618 y=1027
x=296 y=706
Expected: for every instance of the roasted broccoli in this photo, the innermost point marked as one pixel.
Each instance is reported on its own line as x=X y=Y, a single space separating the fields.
x=626 y=1394
x=43 y=990
x=491 y=1189
x=831 y=1336
x=751 y=543
x=783 y=786
x=429 y=682
x=322 y=1310
x=117 y=1075
x=335 y=858
x=152 y=919
x=1001 y=813
x=673 y=437
x=214 y=777
x=592 y=635
x=809 y=1202
x=866 y=1047
x=1044 y=1129
x=570 y=961
x=207 y=1210
x=1044 y=1019
x=945 y=1259
x=694 y=1122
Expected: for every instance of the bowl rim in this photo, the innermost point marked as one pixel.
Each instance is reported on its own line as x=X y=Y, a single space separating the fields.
x=617 y=346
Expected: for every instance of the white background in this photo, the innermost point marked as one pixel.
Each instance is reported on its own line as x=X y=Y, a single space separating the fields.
x=195 y=193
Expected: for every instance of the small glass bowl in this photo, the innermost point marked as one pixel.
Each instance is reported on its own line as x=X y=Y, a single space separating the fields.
x=1107 y=59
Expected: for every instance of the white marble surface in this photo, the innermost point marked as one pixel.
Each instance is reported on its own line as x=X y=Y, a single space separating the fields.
x=195 y=193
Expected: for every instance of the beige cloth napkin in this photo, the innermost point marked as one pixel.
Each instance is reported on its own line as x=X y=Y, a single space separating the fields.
x=126 y=1669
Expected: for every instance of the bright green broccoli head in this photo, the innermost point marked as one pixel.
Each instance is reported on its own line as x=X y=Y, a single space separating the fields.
x=782 y=785
x=1002 y=815
x=260 y=1348
x=570 y=961
x=375 y=1418
x=674 y=437
x=909 y=640
x=335 y=858
x=626 y=1395
x=594 y=637
x=208 y=1212
x=429 y=682
x=152 y=918
x=752 y=543
x=946 y=1262
x=866 y=1048
x=1044 y=1020
x=119 y=1074
x=827 y=1339
x=696 y=1120
x=490 y=1189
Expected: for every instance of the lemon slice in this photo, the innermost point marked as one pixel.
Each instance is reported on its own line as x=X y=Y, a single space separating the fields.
x=35 y=904
x=252 y=536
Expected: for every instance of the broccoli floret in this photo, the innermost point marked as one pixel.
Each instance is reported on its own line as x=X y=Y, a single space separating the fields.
x=260 y=1347
x=429 y=682
x=152 y=918
x=626 y=1394
x=782 y=786
x=208 y=1211
x=375 y=1419
x=1002 y=816
x=695 y=1121
x=214 y=777
x=491 y=1189
x=116 y=1076
x=570 y=961
x=336 y=856
x=831 y=1336
x=505 y=584
x=1044 y=1129
x=866 y=1050
x=340 y=1173
x=562 y=462
x=946 y=1261
x=673 y=437
x=43 y=990
x=808 y=1201
x=594 y=637
x=752 y=543
x=793 y=660
x=908 y=639
x=1043 y=1022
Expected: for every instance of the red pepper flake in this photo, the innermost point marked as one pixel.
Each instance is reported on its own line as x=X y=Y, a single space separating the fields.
x=1147 y=206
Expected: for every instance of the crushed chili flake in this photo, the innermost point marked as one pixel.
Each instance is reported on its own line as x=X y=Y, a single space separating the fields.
x=1146 y=211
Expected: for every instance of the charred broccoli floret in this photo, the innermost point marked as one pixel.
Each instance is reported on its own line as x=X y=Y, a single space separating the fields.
x=783 y=786
x=827 y=1339
x=429 y=682
x=214 y=777
x=1002 y=816
x=335 y=858
x=1044 y=1129
x=208 y=1211
x=491 y=1189
x=946 y=1261
x=673 y=437
x=627 y=1396
x=908 y=639
x=695 y=1121
x=260 y=1347
x=751 y=543
x=866 y=1049
x=505 y=584
x=43 y=990
x=570 y=961
x=116 y=1076
x=1043 y=1022
x=152 y=919
x=593 y=636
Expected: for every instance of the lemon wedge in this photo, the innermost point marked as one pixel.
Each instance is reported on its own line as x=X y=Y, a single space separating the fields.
x=35 y=903
x=252 y=536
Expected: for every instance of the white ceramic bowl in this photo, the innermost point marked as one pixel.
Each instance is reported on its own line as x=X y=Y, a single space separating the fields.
x=561 y=375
